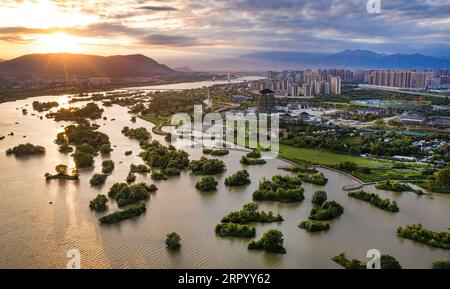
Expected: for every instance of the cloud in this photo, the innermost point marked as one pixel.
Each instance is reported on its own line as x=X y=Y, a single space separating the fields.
x=243 y=26
x=158 y=8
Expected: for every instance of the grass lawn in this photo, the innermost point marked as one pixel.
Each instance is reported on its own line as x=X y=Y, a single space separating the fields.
x=158 y=121
x=326 y=158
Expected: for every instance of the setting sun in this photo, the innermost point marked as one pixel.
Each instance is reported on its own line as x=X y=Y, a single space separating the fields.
x=59 y=42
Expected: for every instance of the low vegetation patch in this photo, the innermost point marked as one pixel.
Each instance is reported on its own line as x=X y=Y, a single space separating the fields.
x=375 y=200
x=417 y=232
x=131 y=211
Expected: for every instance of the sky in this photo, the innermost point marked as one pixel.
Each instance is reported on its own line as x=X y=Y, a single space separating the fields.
x=179 y=32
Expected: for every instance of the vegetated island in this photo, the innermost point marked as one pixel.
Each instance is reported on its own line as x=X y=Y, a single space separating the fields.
x=26 y=150
x=375 y=200
x=396 y=187
x=272 y=241
x=125 y=194
x=235 y=230
x=387 y=262
x=62 y=173
x=417 y=232
x=281 y=189
x=240 y=178
x=131 y=211
x=206 y=166
x=250 y=213
x=206 y=184
x=99 y=203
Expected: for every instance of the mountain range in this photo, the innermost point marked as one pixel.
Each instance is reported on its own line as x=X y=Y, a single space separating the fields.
x=346 y=59
x=60 y=64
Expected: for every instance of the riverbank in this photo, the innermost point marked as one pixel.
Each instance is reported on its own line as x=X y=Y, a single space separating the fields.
x=159 y=123
x=6 y=96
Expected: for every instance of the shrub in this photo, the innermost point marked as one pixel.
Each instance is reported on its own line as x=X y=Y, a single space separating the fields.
x=375 y=200
x=221 y=152
x=250 y=213
x=98 y=179
x=319 y=197
x=124 y=194
x=206 y=184
x=252 y=162
x=118 y=216
x=314 y=226
x=235 y=230
x=26 y=149
x=82 y=159
x=241 y=178
x=271 y=241
x=206 y=166
x=173 y=241
x=139 y=169
x=131 y=178
x=420 y=234
x=99 y=203
x=107 y=166
x=327 y=211
x=158 y=176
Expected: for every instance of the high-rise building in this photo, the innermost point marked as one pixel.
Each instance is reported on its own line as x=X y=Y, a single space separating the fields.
x=266 y=100
x=335 y=85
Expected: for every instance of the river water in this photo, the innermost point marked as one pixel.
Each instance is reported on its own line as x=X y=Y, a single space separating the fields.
x=35 y=233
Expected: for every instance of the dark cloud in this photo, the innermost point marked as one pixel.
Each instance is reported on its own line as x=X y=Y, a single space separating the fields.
x=169 y=40
x=158 y=8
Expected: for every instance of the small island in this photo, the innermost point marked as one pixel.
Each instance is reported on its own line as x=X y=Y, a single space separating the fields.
x=99 y=203
x=125 y=194
x=206 y=184
x=396 y=187
x=241 y=178
x=327 y=211
x=98 y=179
x=250 y=213
x=131 y=211
x=315 y=179
x=272 y=241
x=281 y=189
x=387 y=262
x=107 y=166
x=206 y=166
x=173 y=241
x=375 y=200
x=252 y=162
x=314 y=226
x=235 y=230
x=26 y=150
x=417 y=232
x=62 y=173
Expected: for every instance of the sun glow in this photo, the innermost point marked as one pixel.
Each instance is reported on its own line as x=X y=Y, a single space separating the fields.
x=59 y=42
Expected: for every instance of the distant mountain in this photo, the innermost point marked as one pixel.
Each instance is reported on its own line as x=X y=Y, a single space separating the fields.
x=183 y=69
x=346 y=59
x=60 y=64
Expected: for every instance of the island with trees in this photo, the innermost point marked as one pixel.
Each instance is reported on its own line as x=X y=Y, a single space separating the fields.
x=240 y=178
x=125 y=194
x=26 y=150
x=129 y=212
x=375 y=200
x=387 y=262
x=99 y=203
x=252 y=162
x=319 y=197
x=327 y=211
x=173 y=241
x=314 y=226
x=418 y=233
x=169 y=160
x=206 y=184
x=250 y=213
x=215 y=152
x=395 y=186
x=206 y=166
x=44 y=106
x=140 y=133
x=272 y=241
x=107 y=166
x=315 y=179
x=90 y=110
x=98 y=179
x=281 y=189
x=235 y=230
x=62 y=173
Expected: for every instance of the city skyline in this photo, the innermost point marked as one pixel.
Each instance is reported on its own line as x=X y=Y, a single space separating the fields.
x=184 y=32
